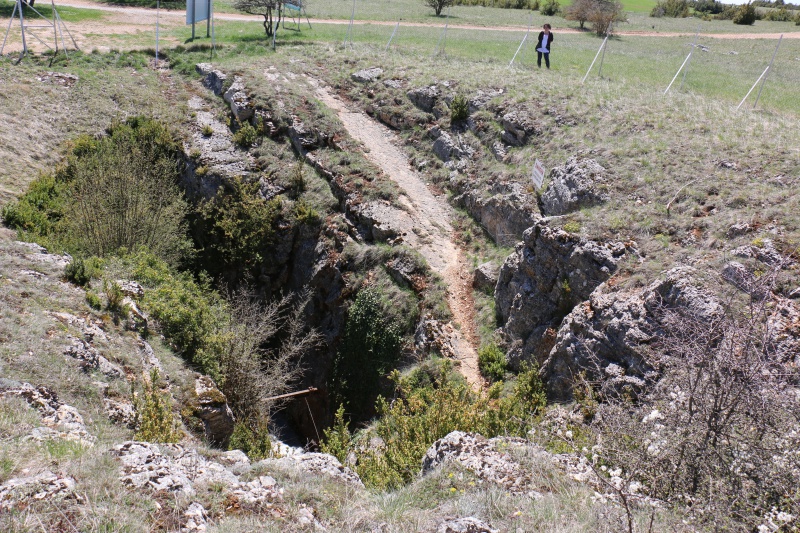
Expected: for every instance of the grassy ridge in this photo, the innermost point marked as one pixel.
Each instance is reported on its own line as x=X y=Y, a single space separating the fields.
x=726 y=71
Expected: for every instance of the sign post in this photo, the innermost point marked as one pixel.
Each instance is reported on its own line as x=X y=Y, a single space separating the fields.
x=198 y=11
x=538 y=175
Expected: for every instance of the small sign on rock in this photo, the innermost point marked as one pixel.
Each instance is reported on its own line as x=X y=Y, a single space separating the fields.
x=538 y=174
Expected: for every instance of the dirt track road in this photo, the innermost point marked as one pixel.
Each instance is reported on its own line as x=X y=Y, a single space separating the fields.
x=128 y=20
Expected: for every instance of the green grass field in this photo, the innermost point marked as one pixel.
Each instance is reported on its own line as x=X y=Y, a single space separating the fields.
x=68 y=14
x=726 y=71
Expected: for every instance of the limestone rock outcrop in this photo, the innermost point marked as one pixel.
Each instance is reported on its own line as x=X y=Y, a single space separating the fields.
x=467 y=524
x=367 y=74
x=424 y=98
x=505 y=211
x=549 y=273
x=92 y=359
x=578 y=183
x=319 y=463
x=446 y=147
x=518 y=127
x=484 y=458
x=18 y=493
x=485 y=277
x=606 y=336
x=210 y=405
x=61 y=421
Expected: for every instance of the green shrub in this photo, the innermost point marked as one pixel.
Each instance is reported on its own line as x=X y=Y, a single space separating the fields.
x=155 y=421
x=337 y=440
x=208 y=131
x=710 y=7
x=427 y=408
x=38 y=212
x=778 y=15
x=671 y=8
x=246 y=136
x=251 y=438
x=304 y=213
x=93 y=300
x=120 y=191
x=492 y=362
x=188 y=312
x=125 y=193
x=550 y=8
x=114 y=296
x=234 y=231
x=297 y=183
x=76 y=272
x=459 y=108
x=745 y=15
x=572 y=226
x=369 y=350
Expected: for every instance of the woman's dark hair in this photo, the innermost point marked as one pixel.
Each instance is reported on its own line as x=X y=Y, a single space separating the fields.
x=547 y=26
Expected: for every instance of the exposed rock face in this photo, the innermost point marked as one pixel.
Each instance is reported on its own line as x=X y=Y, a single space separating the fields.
x=468 y=524
x=577 y=184
x=740 y=228
x=483 y=458
x=424 y=97
x=485 y=277
x=607 y=336
x=41 y=255
x=783 y=325
x=505 y=211
x=518 y=127
x=18 y=493
x=366 y=75
x=435 y=336
x=539 y=284
x=320 y=463
x=211 y=406
x=740 y=277
x=149 y=360
x=212 y=79
x=195 y=518
x=219 y=157
x=169 y=467
x=305 y=138
x=238 y=100
x=61 y=421
x=131 y=289
x=766 y=253
x=92 y=359
x=446 y=147
x=120 y=411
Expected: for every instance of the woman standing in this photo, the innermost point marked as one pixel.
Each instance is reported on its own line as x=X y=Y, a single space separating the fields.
x=543 y=46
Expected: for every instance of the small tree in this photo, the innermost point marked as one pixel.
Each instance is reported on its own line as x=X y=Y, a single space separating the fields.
x=271 y=10
x=369 y=350
x=671 y=8
x=603 y=13
x=438 y=5
x=580 y=11
x=124 y=191
x=252 y=371
x=720 y=429
x=746 y=15
x=550 y=8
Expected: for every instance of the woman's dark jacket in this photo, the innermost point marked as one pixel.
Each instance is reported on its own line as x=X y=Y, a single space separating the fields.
x=549 y=40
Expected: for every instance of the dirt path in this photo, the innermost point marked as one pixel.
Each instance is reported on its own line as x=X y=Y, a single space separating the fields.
x=432 y=233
